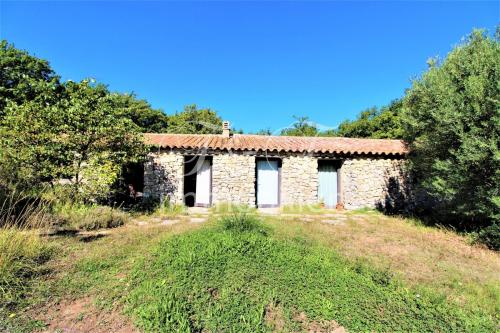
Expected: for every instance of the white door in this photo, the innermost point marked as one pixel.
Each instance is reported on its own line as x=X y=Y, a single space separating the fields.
x=203 y=178
x=267 y=183
x=327 y=189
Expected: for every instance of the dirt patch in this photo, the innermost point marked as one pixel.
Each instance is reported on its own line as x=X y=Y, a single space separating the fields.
x=323 y=326
x=274 y=317
x=81 y=315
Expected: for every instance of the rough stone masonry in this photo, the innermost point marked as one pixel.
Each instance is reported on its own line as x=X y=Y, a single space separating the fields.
x=364 y=181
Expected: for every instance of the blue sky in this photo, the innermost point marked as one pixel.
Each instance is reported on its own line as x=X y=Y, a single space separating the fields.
x=256 y=63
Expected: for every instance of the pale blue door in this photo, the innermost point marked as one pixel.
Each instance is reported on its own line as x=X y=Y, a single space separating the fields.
x=327 y=189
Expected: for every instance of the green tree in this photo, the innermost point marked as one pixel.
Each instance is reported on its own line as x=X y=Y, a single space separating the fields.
x=82 y=138
x=141 y=113
x=195 y=121
x=301 y=127
x=22 y=76
x=374 y=123
x=31 y=150
x=452 y=120
x=265 y=131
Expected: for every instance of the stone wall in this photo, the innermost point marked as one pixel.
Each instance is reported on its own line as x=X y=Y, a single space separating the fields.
x=233 y=178
x=299 y=180
x=164 y=176
x=373 y=183
x=364 y=182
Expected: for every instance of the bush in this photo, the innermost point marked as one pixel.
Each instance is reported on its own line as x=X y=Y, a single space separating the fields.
x=451 y=120
x=490 y=236
x=95 y=217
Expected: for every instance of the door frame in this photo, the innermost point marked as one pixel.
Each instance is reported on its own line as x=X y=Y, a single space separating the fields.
x=277 y=159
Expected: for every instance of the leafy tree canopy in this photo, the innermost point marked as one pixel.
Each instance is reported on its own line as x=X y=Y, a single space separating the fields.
x=301 y=127
x=452 y=121
x=141 y=113
x=384 y=123
x=22 y=76
x=195 y=121
x=80 y=136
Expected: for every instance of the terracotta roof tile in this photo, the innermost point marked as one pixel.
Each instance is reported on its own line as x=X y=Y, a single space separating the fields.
x=325 y=145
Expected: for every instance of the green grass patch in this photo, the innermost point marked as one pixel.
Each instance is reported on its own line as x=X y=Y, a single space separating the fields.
x=168 y=209
x=226 y=277
x=232 y=208
x=304 y=209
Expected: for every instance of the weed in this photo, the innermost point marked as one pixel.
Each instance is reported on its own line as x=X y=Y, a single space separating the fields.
x=242 y=223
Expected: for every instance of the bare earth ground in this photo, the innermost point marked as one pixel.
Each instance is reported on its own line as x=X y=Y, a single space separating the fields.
x=81 y=315
x=420 y=255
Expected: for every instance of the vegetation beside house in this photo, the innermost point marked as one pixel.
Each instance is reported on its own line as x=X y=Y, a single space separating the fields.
x=64 y=149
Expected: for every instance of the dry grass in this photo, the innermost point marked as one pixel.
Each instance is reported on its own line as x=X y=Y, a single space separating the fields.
x=92 y=264
x=76 y=276
x=422 y=256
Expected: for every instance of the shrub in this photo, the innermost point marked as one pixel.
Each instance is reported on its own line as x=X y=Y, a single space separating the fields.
x=102 y=217
x=451 y=120
x=94 y=217
x=490 y=236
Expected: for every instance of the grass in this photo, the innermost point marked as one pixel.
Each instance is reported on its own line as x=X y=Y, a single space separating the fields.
x=423 y=257
x=303 y=209
x=245 y=274
x=224 y=278
x=231 y=208
x=22 y=253
x=167 y=209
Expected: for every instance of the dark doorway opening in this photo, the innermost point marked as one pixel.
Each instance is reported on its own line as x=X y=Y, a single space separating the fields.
x=197 y=178
x=190 y=180
x=133 y=177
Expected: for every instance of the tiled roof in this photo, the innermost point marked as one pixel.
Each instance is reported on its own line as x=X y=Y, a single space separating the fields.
x=241 y=142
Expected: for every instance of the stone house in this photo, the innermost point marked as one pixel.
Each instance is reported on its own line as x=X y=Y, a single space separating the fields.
x=271 y=171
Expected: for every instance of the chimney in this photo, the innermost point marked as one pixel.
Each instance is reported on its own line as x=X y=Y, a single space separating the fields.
x=226 y=129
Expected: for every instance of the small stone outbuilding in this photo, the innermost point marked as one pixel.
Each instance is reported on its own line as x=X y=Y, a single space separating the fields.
x=270 y=171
